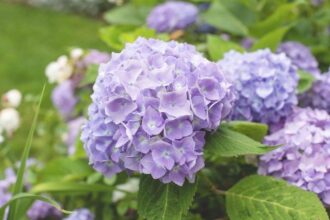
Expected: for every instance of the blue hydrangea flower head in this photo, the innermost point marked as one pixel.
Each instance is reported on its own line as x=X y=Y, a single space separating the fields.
x=172 y=15
x=301 y=56
x=80 y=214
x=303 y=160
x=319 y=95
x=152 y=104
x=265 y=85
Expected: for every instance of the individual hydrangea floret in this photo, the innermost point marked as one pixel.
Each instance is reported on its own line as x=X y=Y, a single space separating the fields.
x=81 y=214
x=265 y=85
x=319 y=95
x=301 y=56
x=152 y=104
x=303 y=159
x=172 y=16
x=42 y=210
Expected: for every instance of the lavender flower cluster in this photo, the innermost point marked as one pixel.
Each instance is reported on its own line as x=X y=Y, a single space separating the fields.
x=171 y=16
x=152 y=104
x=80 y=214
x=304 y=158
x=39 y=210
x=74 y=68
x=42 y=210
x=265 y=85
x=301 y=56
x=319 y=95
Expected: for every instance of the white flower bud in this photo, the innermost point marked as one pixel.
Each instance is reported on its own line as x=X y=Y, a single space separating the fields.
x=76 y=53
x=59 y=70
x=12 y=98
x=9 y=120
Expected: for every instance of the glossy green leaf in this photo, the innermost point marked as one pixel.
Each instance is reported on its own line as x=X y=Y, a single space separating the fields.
x=67 y=188
x=271 y=40
x=256 y=131
x=65 y=169
x=305 y=81
x=219 y=16
x=283 y=15
x=159 y=201
x=117 y=36
x=217 y=47
x=228 y=143
x=261 y=197
x=128 y=14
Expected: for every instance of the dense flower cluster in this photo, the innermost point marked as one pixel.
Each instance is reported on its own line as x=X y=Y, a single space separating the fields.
x=9 y=116
x=42 y=210
x=172 y=16
x=80 y=214
x=301 y=56
x=68 y=72
x=152 y=104
x=304 y=158
x=265 y=84
x=319 y=95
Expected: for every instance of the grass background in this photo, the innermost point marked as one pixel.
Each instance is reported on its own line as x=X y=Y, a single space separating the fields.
x=29 y=39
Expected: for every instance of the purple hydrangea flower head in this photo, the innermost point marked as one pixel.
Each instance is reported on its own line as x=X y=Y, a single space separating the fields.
x=81 y=214
x=319 y=95
x=74 y=128
x=152 y=104
x=265 y=84
x=303 y=160
x=96 y=57
x=301 y=56
x=41 y=210
x=172 y=15
x=64 y=99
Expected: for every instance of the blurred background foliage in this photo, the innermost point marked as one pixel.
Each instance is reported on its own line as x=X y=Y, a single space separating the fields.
x=35 y=32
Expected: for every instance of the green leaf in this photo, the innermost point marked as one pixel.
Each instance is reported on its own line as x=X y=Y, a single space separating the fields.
x=67 y=188
x=219 y=16
x=13 y=209
x=128 y=14
x=229 y=143
x=256 y=131
x=261 y=197
x=305 y=81
x=217 y=47
x=159 y=201
x=65 y=169
x=117 y=36
x=90 y=75
x=271 y=40
x=283 y=15
x=32 y=197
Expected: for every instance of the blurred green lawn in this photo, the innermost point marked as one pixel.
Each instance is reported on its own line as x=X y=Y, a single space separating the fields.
x=29 y=39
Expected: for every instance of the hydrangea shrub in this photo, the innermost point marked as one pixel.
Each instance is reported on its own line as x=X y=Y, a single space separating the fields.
x=301 y=56
x=318 y=96
x=152 y=104
x=265 y=85
x=303 y=158
x=171 y=16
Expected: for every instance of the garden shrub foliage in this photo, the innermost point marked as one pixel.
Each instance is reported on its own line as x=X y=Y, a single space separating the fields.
x=173 y=129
